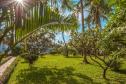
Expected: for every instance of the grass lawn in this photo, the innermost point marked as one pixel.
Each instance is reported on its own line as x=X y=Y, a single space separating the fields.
x=60 y=70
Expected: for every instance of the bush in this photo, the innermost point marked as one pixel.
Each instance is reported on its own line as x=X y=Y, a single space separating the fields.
x=116 y=65
x=115 y=61
x=17 y=50
x=54 y=52
x=31 y=58
x=72 y=51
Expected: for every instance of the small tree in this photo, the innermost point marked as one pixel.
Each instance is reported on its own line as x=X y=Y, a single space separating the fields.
x=114 y=44
x=30 y=58
x=36 y=45
x=107 y=63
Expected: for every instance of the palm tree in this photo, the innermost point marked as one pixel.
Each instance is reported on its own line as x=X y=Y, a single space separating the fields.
x=40 y=16
x=80 y=8
x=97 y=10
x=61 y=6
x=77 y=7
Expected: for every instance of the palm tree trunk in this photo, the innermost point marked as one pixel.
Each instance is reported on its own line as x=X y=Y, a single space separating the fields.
x=13 y=36
x=66 y=48
x=82 y=15
x=83 y=30
x=12 y=41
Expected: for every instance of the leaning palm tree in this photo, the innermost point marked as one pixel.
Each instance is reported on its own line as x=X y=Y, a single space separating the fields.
x=49 y=20
x=62 y=6
x=39 y=16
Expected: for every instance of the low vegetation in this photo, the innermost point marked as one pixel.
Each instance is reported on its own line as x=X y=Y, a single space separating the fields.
x=57 y=69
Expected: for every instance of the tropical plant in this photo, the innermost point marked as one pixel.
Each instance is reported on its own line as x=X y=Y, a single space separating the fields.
x=37 y=17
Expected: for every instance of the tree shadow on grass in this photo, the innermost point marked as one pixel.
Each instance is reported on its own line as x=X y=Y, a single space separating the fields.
x=52 y=76
x=74 y=57
x=122 y=80
x=122 y=71
x=119 y=79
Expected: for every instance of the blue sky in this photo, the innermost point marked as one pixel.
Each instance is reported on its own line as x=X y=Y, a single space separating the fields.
x=59 y=36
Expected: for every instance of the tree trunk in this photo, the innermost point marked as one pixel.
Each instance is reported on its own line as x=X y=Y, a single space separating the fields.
x=82 y=54
x=12 y=42
x=85 y=60
x=82 y=15
x=66 y=48
x=104 y=73
x=83 y=30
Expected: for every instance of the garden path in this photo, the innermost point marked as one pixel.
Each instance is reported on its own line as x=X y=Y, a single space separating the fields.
x=5 y=65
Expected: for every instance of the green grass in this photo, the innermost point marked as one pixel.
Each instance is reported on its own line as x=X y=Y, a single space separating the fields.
x=60 y=70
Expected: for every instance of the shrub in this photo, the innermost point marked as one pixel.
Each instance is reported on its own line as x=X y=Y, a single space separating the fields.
x=54 y=52
x=72 y=51
x=30 y=58
x=17 y=50
x=116 y=65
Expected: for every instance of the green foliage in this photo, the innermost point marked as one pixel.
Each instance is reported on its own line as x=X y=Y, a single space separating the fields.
x=113 y=40
x=116 y=65
x=17 y=50
x=56 y=49
x=118 y=17
x=72 y=51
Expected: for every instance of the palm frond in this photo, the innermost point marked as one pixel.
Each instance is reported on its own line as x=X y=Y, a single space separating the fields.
x=49 y=19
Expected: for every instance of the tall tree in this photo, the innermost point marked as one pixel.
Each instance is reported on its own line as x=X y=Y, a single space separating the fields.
x=98 y=10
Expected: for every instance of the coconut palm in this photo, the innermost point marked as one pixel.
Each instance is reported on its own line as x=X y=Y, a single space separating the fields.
x=98 y=9
x=39 y=16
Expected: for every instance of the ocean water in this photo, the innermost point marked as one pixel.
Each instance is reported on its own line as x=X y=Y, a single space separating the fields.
x=3 y=47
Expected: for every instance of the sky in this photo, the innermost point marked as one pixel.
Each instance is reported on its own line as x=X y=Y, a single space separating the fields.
x=59 y=36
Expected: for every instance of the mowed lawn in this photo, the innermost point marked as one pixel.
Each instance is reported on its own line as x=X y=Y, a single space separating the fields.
x=56 y=69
